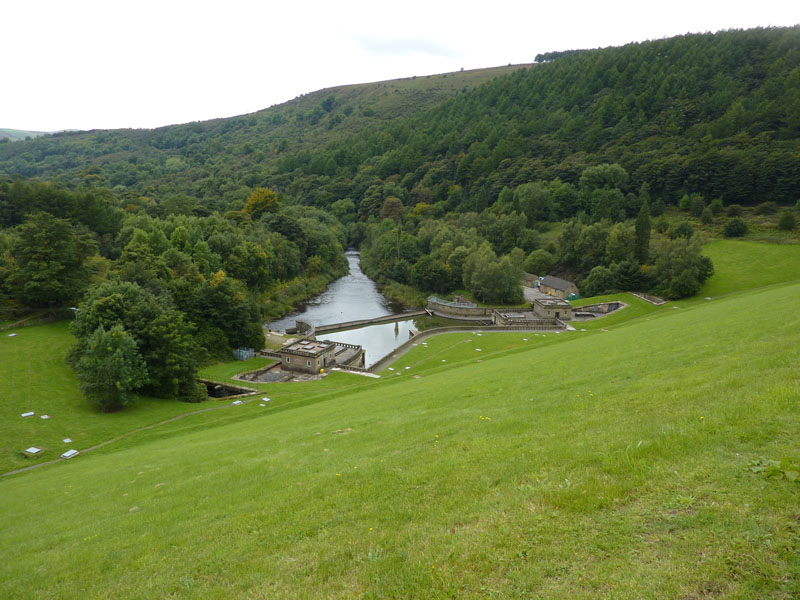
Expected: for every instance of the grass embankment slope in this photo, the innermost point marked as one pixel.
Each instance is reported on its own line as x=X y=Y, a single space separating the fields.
x=740 y=264
x=601 y=464
x=36 y=378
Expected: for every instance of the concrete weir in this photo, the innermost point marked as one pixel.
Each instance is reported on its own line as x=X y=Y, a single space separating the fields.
x=363 y=322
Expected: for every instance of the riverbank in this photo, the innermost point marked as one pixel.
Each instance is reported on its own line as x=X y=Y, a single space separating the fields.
x=286 y=299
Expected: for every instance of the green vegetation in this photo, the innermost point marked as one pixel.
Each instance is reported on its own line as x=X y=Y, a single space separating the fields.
x=552 y=456
x=14 y=135
x=157 y=296
x=744 y=265
x=459 y=181
x=219 y=162
x=36 y=378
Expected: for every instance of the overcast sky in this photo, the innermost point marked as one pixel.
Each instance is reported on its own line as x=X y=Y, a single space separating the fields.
x=86 y=64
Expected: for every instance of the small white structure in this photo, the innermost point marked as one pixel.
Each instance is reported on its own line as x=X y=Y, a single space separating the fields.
x=33 y=450
x=236 y=402
x=69 y=454
x=45 y=417
x=67 y=440
x=27 y=414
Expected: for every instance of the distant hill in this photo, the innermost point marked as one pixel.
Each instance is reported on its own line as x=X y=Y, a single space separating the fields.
x=16 y=135
x=242 y=150
x=708 y=114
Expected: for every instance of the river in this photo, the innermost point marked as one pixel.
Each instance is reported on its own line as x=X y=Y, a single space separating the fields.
x=350 y=298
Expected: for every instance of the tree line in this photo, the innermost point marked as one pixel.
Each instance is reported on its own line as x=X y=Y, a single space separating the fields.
x=155 y=297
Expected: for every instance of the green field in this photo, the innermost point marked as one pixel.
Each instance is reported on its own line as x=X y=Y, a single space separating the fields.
x=613 y=462
x=745 y=265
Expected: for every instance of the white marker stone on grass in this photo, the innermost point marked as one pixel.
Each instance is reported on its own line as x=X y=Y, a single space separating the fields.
x=45 y=417
x=69 y=454
x=33 y=450
x=12 y=335
x=67 y=440
x=478 y=350
x=27 y=414
x=236 y=402
x=265 y=399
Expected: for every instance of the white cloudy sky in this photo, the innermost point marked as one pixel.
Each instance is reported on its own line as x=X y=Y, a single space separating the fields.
x=84 y=64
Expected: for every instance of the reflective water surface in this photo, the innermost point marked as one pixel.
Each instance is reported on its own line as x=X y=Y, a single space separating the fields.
x=352 y=297
x=349 y=298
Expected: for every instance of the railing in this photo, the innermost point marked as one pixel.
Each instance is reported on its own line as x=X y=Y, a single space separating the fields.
x=436 y=300
x=346 y=345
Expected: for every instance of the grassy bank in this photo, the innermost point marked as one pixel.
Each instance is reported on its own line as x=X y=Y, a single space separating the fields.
x=285 y=298
x=584 y=465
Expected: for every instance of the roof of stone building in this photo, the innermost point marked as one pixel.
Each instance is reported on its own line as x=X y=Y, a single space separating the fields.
x=550 y=301
x=308 y=347
x=556 y=283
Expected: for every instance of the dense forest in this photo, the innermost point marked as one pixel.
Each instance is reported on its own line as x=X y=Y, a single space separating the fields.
x=153 y=298
x=711 y=114
x=178 y=241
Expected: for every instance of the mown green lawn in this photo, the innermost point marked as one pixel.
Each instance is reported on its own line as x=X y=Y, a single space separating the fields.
x=589 y=464
x=743 y=265
x=37 y=378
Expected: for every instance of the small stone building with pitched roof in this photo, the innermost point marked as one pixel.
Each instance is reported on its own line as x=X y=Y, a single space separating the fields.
x=560 y=288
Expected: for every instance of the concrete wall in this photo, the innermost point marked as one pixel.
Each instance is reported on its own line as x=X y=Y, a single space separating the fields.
x=548 y=325
x=455 y=312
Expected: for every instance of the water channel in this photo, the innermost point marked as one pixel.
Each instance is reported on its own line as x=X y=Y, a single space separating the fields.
x=352 y=297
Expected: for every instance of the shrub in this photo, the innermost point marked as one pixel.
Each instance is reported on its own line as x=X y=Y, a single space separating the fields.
x=539 y=262
x=734 y=210
x=707 y=217
x=766 y=208
x=736 y=227
x=682 y=229
x=697 y=206
x=600 y=281
x=716 y=207
x=787 y=221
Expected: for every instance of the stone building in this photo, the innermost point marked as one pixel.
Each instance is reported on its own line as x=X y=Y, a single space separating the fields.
x=308 y=356
x=560 y=288
x=553 y=308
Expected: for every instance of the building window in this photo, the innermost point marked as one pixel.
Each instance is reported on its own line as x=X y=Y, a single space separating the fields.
x=288 y=359
x=308 y=363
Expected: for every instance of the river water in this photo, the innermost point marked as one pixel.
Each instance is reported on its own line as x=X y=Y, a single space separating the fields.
x=350 y=298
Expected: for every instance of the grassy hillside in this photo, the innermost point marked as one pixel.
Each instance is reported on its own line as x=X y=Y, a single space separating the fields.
x=744 y=265
x=608 y=463
x=15 y=135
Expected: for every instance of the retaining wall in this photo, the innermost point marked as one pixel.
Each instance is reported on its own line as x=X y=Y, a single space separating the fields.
x=395 y=354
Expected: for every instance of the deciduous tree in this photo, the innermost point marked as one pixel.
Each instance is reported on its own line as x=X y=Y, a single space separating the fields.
x=110 y=368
